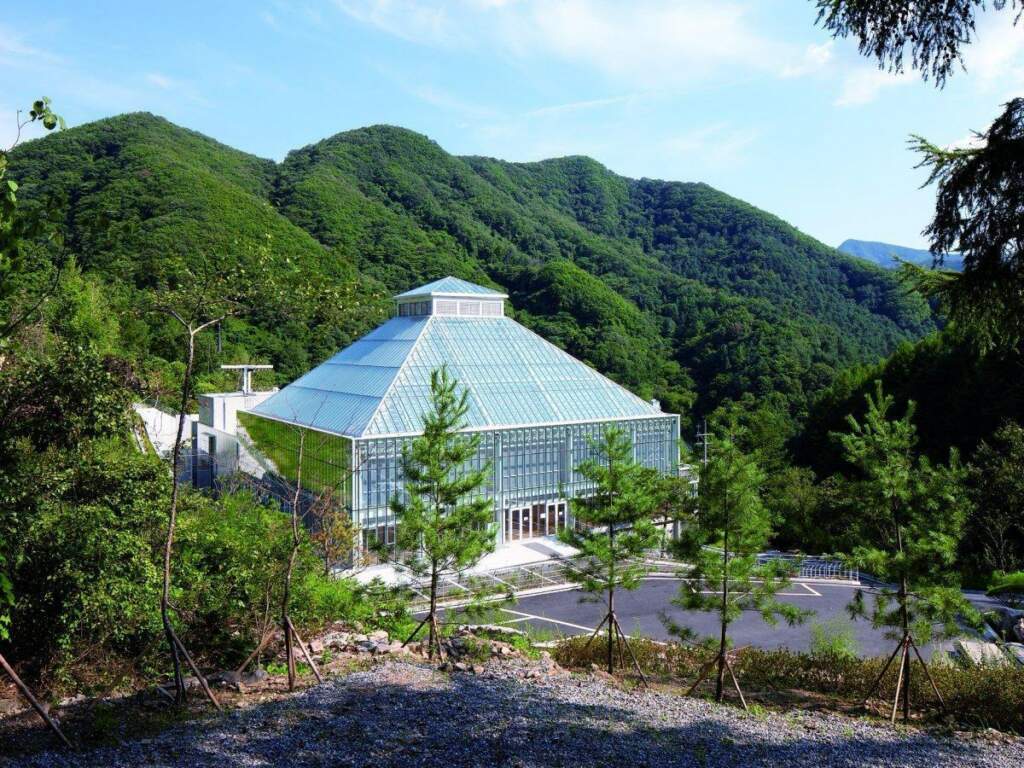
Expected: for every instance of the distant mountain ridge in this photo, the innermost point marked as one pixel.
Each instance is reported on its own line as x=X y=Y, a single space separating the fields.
x=676 y=290
x=886 y=255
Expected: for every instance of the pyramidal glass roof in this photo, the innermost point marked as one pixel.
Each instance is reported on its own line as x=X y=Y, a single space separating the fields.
x=380 y=384
x=451 y=286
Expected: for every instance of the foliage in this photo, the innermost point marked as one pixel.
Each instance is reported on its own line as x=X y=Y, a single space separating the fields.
x=963 y=396
x=675 y=290
x=995 y=529
x=979 y=211
x=834 y=639
x=444 y=524
x=333 y=531
x=934 y=34
x=979 y=697
x=1007 y=583
x=615 y=522
x=18 y=226
x=912 y=518
x=82 y=548
x=444 y=521
x=732 y=527
x=229 y=561
x=615 y=518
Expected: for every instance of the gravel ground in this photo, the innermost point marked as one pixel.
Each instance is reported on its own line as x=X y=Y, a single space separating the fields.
x=407 y=714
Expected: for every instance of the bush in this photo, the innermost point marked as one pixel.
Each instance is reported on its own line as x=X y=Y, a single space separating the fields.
x=85 y=565
x=834 y=639
x=88 y=575
x=976 y=696
x=1008 y=584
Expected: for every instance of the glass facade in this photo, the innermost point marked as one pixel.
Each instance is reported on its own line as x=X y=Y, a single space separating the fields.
x=536 y=410
x=533 y=469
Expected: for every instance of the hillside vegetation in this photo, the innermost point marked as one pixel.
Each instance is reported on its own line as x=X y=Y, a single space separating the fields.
x=676 y=290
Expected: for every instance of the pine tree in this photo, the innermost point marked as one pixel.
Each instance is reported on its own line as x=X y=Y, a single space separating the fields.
x=732 y=526
x=913 y=515
x=444 y=523
x=617 y=528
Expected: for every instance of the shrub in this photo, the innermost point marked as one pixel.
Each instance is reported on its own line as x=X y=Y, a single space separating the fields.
x=976 y=696
x=85 y=568
x=1008 y=584
x=834 y=639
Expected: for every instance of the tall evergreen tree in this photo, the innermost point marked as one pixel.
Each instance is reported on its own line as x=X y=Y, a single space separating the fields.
x=913 y=515
x=444 y=523
x=979 y=207
x=617 y=528
x=732 y=526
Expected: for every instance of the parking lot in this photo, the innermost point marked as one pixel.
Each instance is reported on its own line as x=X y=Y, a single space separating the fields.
x=570 y=612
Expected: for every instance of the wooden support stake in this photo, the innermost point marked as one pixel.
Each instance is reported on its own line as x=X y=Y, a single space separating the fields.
x=704 y=672
x=256 y=652
x=437 y=639
x=928 y=674
x=305 y=651
x=34 y=702
x=899 y=682
x=415 y=632
x=195 y=671
x=629 y=648
x=735 y=682
x=596 y=632
x=885 y=669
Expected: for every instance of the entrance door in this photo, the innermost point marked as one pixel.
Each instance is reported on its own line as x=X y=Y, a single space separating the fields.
x=540 y=519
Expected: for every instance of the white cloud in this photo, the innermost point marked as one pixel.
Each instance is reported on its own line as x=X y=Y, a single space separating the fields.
x=13 y=46
x=176 y=87
x=578 y=106
x=408 y=19
x=814 y=58
x=645 y=43
x=718 y=143
x=160 y=81
x=862 y=85
x=443 y=100
x=996 y=51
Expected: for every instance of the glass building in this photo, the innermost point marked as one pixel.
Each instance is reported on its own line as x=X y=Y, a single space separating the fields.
x=536 y=408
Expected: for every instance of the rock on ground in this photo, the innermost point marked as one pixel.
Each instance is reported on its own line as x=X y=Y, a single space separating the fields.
x=514 y=713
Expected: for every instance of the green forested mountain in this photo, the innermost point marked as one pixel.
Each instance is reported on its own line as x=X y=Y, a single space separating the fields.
x=677 y=290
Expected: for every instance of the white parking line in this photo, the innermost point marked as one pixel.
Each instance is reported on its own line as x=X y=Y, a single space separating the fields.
x=529 y=616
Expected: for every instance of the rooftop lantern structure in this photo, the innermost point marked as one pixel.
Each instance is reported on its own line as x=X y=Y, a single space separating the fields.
x=536 y=407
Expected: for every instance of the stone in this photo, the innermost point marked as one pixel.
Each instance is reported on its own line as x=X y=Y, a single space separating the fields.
x=9 y=707
x=378 y=636
x=478 y=669
x=255 y=677
x=340 y=640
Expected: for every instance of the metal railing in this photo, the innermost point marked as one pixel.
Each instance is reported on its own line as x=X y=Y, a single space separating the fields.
x=818 y=568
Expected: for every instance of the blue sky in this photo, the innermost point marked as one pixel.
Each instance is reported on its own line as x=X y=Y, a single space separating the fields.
x=750 y=97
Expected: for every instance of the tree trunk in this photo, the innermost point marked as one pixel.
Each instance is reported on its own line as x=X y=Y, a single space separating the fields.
x=27 y=693
x=286 y=595
x=611 y=598
x=905 y=621
x=432 y=617
x=172 y=518
x=720 y=680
